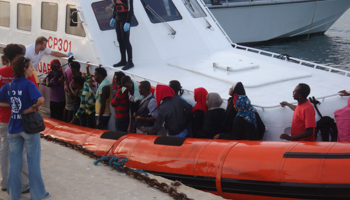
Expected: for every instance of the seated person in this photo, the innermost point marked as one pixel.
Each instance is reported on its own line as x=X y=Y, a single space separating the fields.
x=247 y=124
x=57 y=95
x=87 y=102
x=176 y=86
x=198 y=110
x=120 y=102
x=213 y=117
x=304 y=122
x=172 y=111
x=342 y=118
x=230 y=113
x=147 y=112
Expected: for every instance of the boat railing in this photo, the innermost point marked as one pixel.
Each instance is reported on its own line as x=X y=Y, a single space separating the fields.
x=188 y=91
x=292 y=59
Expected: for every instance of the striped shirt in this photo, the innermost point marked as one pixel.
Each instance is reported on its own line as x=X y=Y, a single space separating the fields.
x=87 y=99
x=120 y=102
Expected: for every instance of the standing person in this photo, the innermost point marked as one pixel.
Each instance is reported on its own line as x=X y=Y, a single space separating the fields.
x=87 y=102
x=120 y=102
x=103 y=99
x=231 y=112
x=147 y=112
x=134 y=97
x=198 y=110
x=72 y=96
x=37 y=50
x=213 y=117
x=123 y=10
x=247 y=124
x=172 y=111
x=28 y=97
x=57 y=96
x=304 y=122
x=11 y=51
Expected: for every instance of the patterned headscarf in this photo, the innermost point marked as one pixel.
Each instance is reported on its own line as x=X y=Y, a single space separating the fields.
x=245 y=109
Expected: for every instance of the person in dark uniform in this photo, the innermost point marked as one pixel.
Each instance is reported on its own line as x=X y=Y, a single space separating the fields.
x=123 y=10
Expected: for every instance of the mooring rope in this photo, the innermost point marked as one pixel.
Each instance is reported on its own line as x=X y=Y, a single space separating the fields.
x=118 y=163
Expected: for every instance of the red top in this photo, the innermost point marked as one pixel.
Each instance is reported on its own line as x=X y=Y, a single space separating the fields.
x=163 y=91
x=303 y=118
x=200 y=96
x=32 y=79
x=120 y=102
x=6 y=76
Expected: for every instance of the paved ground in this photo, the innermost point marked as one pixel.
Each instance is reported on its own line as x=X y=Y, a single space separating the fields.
x=70 y=175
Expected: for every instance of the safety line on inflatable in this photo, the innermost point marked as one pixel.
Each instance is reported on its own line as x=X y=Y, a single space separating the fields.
x=118 y=163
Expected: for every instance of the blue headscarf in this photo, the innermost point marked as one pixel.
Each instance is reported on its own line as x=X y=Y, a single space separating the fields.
x=245 y=109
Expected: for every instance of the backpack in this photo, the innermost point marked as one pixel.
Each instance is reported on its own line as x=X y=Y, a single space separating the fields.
x=326 y=126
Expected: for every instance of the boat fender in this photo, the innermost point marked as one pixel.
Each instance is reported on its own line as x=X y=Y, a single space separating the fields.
x=170 y=141
x=114 y=135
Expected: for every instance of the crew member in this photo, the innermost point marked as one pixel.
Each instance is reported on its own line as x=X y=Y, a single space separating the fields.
x=37 y=50
x=123 y=10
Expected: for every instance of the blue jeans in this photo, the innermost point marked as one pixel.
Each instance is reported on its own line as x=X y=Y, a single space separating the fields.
x=121 y=125
x=103 y=122
x=184 y=133
x=36 y=183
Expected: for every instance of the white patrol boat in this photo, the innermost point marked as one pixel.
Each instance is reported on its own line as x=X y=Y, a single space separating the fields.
x=172 y=40
x=252 y=21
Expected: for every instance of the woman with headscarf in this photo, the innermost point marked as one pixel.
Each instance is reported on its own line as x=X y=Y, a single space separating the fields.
x=172 y=111
x=198 y=111
x=230 y=113
x=247 y=124
x=213 y=117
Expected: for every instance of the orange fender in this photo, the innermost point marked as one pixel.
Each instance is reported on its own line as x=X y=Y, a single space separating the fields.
x=232 y=169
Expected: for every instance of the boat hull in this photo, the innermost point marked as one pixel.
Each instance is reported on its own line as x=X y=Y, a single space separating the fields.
x=259 y=21
x=232 y=169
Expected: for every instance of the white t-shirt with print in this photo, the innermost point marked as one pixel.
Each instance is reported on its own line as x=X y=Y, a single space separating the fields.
x=36 y=58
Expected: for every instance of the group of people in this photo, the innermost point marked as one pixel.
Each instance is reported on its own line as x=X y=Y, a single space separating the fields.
x=19 y=151
x=138 y=107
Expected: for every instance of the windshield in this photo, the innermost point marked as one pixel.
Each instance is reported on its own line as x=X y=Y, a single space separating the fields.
x=160 y=10
x=194 y=8
x=103 y=11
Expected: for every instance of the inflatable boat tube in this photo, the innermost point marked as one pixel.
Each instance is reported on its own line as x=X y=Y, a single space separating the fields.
x=231 y=169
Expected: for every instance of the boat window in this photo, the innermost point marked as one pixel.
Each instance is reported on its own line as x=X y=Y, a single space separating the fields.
x=24 y=17
x=194 y=8
x=160 y=10
x=49 y=13
x=74 y=28
x=104 y=12
x=4 y=13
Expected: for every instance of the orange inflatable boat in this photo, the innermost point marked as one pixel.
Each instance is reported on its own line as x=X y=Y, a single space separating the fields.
x=232 y=169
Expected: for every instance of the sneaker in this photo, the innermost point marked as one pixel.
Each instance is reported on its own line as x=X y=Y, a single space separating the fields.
x=26 y=191
x=128 y=65
x=120 y=64
x=3 y=189
x=47 y=195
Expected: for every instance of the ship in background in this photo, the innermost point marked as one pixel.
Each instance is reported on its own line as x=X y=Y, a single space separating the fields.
x=254 y=21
